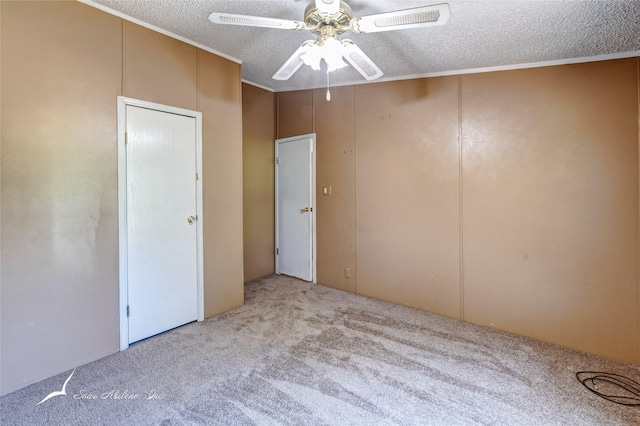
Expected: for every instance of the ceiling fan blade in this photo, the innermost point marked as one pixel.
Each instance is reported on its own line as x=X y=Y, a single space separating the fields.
x=255 y=21
x=293 y=63
x=329 y=7
x=360 y=61
x=402 y=19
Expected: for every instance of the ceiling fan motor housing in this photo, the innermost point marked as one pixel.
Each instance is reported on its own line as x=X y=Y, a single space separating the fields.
x=316 y=20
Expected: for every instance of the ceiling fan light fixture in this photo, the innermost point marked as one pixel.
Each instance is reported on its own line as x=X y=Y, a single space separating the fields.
x=335 y=63
x=329 y=49
x=313 y=57
x=333 y=50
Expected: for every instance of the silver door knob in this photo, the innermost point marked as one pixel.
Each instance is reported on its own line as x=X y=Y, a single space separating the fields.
x=192 y=219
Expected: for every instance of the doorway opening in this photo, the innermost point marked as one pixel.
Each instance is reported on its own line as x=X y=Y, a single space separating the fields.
x=295 y=191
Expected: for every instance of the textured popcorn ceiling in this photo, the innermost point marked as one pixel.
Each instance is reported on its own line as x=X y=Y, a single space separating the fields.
x=479 y=34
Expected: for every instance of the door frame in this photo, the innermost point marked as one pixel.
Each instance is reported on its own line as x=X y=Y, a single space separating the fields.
x=123 y=102
x=314 y=269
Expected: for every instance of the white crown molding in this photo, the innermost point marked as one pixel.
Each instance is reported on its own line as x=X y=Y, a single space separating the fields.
x=157 y=29
x=569 y=61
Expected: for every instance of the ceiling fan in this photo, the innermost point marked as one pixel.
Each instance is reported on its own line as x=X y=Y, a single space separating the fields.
x=330 y=18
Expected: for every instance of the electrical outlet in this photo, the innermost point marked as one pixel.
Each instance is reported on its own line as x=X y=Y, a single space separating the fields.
x=347 y=272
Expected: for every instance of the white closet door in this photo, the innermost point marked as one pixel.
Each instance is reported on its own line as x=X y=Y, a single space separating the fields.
x=161 y=215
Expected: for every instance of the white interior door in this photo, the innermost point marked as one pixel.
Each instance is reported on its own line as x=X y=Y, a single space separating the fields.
x=295 y=199
x=162 y=265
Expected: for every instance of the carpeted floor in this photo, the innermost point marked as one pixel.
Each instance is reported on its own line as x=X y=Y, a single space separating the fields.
x=299 y=353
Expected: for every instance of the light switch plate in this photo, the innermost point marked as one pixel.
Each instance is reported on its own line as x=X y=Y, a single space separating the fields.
x=326 y=190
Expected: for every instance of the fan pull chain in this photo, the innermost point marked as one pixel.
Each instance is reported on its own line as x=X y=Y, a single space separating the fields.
x=328 y=92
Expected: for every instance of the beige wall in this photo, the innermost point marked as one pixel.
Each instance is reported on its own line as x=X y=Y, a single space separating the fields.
x=297 y=107
x=59 y=202
x=506 y=199
x=159 y=69
x=407 y=214
x=220 y=100
x=63 y=65
x=550 y=199
x=335 y=167
x=258 y=136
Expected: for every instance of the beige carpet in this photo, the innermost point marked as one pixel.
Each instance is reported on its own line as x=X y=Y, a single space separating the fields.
x=298 y=353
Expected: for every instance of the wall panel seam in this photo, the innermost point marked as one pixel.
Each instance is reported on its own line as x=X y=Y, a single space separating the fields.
x=355 y=193
x=198 y=80
x=122 y=57
x=638 y=262
x=460 y=199
x=313 y=112
x=277 y=100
